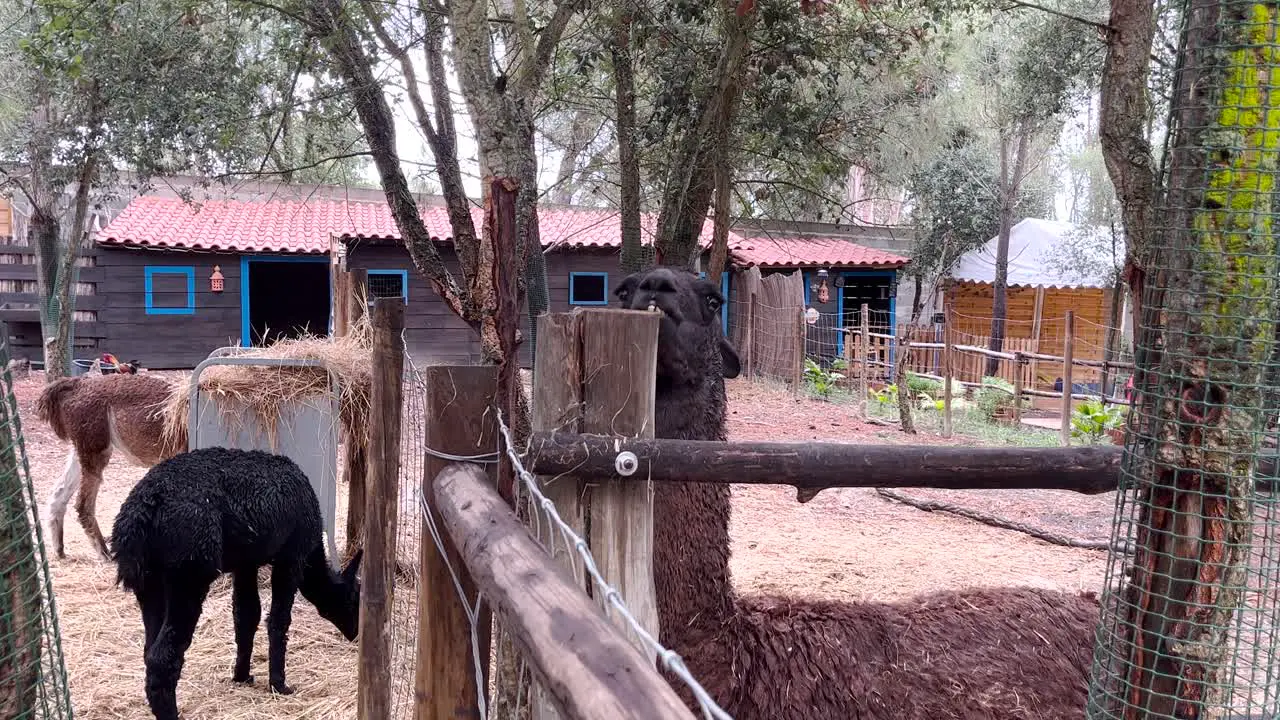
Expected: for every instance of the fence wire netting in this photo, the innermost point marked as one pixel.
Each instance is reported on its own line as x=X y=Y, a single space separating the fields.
x=1189 y=621
x=33 y=675
x=404 y=629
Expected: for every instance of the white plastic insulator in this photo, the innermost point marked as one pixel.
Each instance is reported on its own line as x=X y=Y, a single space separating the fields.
x=626 y=463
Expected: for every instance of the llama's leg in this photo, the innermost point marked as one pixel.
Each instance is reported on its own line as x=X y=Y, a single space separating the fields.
x=62 y=493
x=246 y=610
x=92 y=466
x=284 y=586
x=165 y=657
x=151 y=602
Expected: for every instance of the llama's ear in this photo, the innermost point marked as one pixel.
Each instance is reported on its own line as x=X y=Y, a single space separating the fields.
x=626 y=288
x=729 y=362
x=353 y=566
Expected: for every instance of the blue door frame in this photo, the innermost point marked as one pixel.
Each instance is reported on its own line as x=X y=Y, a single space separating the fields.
x=246 y=336
x=893 y=304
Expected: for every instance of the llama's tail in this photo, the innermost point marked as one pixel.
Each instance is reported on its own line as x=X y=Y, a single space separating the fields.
x=131 y=537
x=49 y=404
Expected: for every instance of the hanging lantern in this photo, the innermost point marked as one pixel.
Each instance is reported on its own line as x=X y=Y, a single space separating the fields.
x=215 y=280
x=824 y=293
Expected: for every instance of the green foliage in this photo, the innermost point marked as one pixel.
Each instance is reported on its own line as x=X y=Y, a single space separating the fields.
x=886 y=397
x=1093 y=419
x=823 y=381
x=995 y=396
x=175 y=86
x=956 y=203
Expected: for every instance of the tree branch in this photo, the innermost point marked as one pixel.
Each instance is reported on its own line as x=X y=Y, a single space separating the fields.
x=371 y=106
x=532 y=74
x=1067 y=16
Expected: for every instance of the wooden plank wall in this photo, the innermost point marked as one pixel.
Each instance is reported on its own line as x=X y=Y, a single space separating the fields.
x=969 y=308
x=435 y=335
x=20 y=296
x=167 y=341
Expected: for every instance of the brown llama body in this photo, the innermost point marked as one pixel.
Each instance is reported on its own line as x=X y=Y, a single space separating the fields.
x=989 y=654
x=99 y=415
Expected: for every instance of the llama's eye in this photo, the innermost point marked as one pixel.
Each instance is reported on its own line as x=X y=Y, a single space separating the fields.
x=624 y=295
x=713 y=303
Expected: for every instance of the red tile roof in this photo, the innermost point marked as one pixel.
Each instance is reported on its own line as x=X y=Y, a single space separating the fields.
x=782 y=252
x=307 y=227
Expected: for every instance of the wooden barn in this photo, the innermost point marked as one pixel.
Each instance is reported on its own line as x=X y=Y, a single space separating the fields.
x=167 y=283
x=830 y=274
x=1041 y=289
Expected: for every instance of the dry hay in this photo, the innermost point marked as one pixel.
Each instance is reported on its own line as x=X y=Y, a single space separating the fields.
x=265 y=391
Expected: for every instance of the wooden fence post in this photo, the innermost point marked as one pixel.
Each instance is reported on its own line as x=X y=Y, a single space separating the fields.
x=341 y=306
x=948 y=371
x=751 y=335
x=864 y=347
x=373 y=686
x=802 y=337
x=356 y=461
x=460 y=421
x=1019 y=364
x=619 y=371
x=1068 y=352
x=557 y=406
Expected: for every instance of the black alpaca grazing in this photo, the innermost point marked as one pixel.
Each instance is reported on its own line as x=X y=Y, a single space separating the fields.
x=213 y=511
x=984 y=653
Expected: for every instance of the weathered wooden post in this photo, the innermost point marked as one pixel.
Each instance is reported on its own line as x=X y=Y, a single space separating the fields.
x=460 y=421
x=1067 y=366
x=750 y=337
x=948 y=372
x=373 y=687
x=802 y=333
x=557 y=406
x=864 y=349
x=1019 y=365
x=619 y=371
x=355 y=464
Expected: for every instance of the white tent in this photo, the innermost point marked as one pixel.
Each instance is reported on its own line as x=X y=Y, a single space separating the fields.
x=1047 y=253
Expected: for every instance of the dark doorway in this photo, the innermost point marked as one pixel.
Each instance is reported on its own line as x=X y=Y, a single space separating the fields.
x=874 y=290
x=287 y=299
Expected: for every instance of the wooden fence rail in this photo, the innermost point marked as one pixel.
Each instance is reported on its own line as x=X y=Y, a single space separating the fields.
x=817 y=466
x=585 y=664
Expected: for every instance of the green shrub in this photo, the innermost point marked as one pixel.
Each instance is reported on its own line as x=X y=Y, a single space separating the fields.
x=996 y=395
x=1091 y=421
x=820 y=380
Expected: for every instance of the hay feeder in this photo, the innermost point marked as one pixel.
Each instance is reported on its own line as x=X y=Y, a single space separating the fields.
x=302 y=426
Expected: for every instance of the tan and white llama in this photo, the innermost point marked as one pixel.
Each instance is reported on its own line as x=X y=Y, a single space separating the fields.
x=100 y=414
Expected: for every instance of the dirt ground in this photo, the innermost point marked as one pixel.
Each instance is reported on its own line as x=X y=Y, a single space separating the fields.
x=845 y=544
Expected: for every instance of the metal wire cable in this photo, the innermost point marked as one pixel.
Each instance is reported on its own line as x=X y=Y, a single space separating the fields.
x=669 y=658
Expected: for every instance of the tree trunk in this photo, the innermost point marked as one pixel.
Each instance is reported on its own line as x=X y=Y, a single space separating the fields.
x=1210 y=328
x=22 y=622
x=581 y=128
x=1123 y=129
x=691 y=185
x=720 y=228
x=917 y=298
x=635 y=255
x=1011 y=178
x=999 y=289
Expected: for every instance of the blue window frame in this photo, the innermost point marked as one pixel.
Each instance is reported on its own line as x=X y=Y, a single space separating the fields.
x=386 y=284
x=245 y=261
x=588 y=288
x=187 y=272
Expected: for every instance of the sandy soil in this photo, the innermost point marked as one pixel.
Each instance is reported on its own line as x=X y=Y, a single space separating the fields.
x=846 y=544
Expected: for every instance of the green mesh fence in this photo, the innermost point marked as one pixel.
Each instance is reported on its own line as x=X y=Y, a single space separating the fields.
x=1190 y=618
x=33 y=678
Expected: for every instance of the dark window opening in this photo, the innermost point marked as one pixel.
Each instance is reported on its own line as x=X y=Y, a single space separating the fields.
x=588 y=289
x=386 y=284
x=287 y=300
